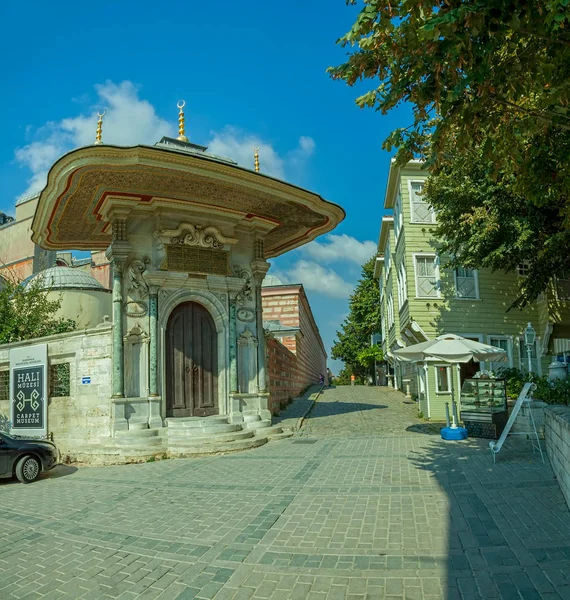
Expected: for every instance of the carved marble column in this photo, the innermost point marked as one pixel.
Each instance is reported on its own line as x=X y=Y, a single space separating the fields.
x=118 y=350
x=233 y=348
x=153 y=326
x=117 y=254
x=261 y=368
x=259 y=268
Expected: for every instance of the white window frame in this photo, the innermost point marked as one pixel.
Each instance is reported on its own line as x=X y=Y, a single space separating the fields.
x=398 y=214
x=479 y=337
x=411 y=182
x=387 y=258
x=510 y=359
x=476 y=281
x=399 y=288
x=449 y=376
x=390 y=312
x=523 y=266
x=417 y=255
x=559 y=296
x=403 y=278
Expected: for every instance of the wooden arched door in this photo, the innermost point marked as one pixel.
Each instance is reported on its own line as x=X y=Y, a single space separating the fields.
x=191 y=362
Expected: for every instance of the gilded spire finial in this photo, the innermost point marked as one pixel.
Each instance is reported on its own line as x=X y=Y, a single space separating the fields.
x=99 y=133
x=181 y=104
x=256 y=158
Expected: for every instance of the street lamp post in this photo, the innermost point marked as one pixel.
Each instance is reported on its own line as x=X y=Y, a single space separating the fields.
x=529 y=339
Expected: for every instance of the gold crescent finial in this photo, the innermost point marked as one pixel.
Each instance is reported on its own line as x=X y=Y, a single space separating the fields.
x=99 y=133
x=256 y=158
x=181 y=104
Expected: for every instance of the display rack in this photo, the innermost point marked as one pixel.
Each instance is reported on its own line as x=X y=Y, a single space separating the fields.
x=484 y=407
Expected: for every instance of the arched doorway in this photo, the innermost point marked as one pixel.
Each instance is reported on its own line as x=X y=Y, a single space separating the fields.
x=191 y=362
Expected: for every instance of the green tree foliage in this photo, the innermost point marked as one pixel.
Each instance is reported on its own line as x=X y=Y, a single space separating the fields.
x=484 y=222
x=488 y=81
x=363 y=320
x=370 y=355
x=27 y=313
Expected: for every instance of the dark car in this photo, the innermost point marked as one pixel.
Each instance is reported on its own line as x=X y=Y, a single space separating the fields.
x=26 y=458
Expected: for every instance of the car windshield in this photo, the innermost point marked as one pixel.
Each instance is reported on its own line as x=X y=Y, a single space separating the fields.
x=5 y=435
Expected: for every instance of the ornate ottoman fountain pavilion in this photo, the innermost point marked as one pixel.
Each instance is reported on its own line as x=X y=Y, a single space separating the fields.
x=188 y=235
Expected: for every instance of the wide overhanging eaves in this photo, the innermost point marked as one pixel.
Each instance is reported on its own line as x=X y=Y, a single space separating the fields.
x=71 y=212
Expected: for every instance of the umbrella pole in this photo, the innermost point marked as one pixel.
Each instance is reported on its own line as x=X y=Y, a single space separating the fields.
x=453 y=405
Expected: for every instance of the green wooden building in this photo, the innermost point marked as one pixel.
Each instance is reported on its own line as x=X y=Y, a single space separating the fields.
x=422 y=299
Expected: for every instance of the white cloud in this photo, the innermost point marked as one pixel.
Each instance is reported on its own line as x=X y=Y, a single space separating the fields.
x=341 y=248
x=237 y=144
x=316 y=278
x=128 y=120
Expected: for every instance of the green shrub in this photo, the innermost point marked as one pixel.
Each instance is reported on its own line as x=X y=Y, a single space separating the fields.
x=557 y=392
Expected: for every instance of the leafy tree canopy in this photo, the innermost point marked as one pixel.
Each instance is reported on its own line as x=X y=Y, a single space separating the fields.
x=484 y=222
x=488 y=80
x=27 y=313
x=353 y=339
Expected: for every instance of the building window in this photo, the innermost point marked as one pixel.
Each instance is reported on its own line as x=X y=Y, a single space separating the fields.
x=442 y=379
x=466 y=283
x=427 y=276
x=523 y=268
x=4 y=385
x=398 y=215
x=402 y=286
x=563 y=286
x=422 y=212
x=59 y=380
x=387 y=259
x=390 y=304
x=503 y=343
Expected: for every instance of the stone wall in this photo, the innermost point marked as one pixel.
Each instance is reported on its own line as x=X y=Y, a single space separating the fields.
x=557 y=434
x=84 y=414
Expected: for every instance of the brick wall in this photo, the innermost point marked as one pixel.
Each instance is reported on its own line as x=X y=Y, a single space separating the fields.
x=294 y=361
x=284 y=380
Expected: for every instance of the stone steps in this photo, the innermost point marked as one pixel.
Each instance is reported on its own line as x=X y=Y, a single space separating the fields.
x=214 y=448
x=279 y=436
x=195 y=422
x=189 y=436
x=178 y=440
x=138 y=433
x=261 y=424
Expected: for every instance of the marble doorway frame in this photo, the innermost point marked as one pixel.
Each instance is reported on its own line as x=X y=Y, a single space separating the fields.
x=220 y=316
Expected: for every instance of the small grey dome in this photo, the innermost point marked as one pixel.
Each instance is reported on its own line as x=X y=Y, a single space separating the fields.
x=66 y=278
x=271 y=280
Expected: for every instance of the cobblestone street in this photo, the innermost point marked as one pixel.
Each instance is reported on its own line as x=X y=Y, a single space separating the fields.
x=366 y=502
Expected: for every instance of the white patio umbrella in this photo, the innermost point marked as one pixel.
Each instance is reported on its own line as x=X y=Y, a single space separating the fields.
x=452 y=349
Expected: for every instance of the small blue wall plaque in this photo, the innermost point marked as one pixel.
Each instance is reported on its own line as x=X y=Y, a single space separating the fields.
x=85 y=380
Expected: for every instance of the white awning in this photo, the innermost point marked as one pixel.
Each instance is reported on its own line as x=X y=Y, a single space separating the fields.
x=561 y=345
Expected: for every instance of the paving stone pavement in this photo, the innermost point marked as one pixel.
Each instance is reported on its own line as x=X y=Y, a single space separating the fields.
x=364 y=503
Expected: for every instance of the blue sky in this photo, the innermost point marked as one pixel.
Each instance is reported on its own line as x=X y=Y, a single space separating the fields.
x=249 y=72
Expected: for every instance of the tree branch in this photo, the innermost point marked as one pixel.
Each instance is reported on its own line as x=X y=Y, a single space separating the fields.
x=541 y=116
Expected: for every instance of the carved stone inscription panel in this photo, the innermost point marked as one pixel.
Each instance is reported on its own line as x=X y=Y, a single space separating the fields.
x=196 y=260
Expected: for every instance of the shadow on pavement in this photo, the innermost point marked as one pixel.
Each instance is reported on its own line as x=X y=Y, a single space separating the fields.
x=508 y=524
x=61 y=471
x=327 y=409
x=425 y=428
x=55 y=473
